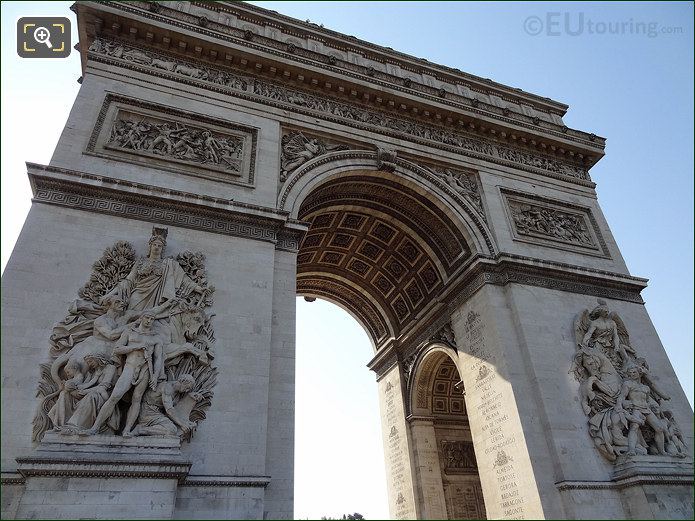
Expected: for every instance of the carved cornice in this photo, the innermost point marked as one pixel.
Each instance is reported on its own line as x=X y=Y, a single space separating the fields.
x=457 y=89
x=506 y=268
x=93 y=468
x=355 y=115
x=88 y=192
x=226 y=481
x=384 y=360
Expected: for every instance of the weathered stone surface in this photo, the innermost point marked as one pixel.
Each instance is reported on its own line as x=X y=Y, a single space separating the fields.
x=473 y=263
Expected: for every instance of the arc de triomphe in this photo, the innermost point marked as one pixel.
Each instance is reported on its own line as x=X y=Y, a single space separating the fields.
x=221 y=159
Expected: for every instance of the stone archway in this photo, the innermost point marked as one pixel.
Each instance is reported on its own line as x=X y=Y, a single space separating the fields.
x=453 y=216
x=446 y=466
x=382 y=244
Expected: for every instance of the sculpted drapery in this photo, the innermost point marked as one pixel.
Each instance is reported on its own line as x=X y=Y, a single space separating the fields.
x=140 y=324
x=627 y=413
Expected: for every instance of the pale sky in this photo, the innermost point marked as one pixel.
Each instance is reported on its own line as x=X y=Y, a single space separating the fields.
x=634 y=87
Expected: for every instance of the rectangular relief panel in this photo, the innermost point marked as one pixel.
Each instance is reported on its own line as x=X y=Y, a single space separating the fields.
x=162 y=137
x=557 y=224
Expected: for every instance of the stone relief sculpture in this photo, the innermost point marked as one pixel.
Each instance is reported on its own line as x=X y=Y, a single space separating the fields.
x=458 y=456
x=177 y=141
x=464 y=184
x=628 y=414
x=163 y=62
x=273 y=92
x=544 y=221
x=133 y=356
x=297 y=149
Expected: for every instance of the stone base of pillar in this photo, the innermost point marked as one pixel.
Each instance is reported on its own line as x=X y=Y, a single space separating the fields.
x=653 y=469
x=656 y=487
x=101 y=477
x=643 y=487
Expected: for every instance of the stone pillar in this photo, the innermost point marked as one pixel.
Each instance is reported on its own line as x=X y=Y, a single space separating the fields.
x=532 y=438
x=427 y=470
x=397 y=447
x=279 y=496
x=494 y=385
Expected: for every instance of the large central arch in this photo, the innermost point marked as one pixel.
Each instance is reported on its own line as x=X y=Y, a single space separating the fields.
x=382 y=244
x=452 y=216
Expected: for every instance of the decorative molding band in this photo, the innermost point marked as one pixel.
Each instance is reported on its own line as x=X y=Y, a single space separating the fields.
x=71 y=467
x=257 y=90
x=12 y=478
x=101 y=141
x=553 y=223
x=335 y=62
x=226 y=481
x=506 y=268
x=625 y=483
x=142 y=202
x=384 y=361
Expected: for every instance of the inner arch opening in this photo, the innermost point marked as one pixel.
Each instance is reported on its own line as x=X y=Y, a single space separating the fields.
x=339 y=458
x=379 y=248
x=439 y=420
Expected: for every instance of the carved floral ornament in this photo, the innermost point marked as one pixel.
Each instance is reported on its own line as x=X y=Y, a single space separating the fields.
x=628 y=414
x=133 y=356
x=250 y=88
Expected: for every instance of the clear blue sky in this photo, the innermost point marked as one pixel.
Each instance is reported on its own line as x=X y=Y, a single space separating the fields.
x=632 y=88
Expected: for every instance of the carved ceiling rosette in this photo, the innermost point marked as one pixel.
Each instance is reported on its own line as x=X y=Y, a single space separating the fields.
x=133 y=356
x=628 y=414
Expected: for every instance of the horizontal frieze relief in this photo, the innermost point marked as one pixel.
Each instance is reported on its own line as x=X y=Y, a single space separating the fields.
x=553 y=223
x=345 y=113
x=162 y=137
x=376 y=67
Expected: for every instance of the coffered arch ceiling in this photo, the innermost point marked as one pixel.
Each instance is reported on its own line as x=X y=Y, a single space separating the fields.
x=378 y=248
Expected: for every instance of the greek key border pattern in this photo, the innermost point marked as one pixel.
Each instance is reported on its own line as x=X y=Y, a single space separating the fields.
x=169 y=212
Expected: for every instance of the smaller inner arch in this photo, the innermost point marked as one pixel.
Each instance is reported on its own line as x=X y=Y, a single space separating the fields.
x=439 y=419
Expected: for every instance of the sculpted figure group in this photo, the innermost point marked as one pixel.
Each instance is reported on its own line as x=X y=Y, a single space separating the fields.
x=538 y=220
x=179 y=142
x=133 y=356
x=628 y=413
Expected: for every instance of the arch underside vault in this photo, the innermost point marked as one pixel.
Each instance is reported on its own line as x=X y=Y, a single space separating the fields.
x=380 y=249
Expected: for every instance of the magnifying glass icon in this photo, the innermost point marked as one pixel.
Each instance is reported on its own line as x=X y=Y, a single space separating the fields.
x=43 y=35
